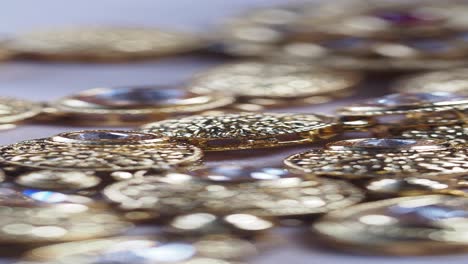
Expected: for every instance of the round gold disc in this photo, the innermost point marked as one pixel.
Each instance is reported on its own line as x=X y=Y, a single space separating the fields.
x=231 y=131
x=139 y=250
x=365 y=158
x=103 y=44
x=134 y=105
x=14 y=110
x=273 y=80
x=99 y=150
x=174 y=194
x=453 y=81
x=55 y=223
x=419 y=225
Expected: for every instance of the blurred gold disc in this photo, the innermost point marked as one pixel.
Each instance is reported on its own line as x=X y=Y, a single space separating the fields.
x=419 y=225
x=55 y=223
x=134 y=105
x=141 y=250
x=274 y=81
x=14 y=110
x=102 y=44
x=453 y=81
x=175 y=193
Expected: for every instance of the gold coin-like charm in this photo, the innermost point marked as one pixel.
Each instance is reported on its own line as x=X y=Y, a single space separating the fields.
x=54 y=223
x=142 y=250
x=412 y=108
x=453 y=81
x=102 y=44
x=420 y=225
x=371 y=157
x=174 y=194
x=133 y=105
x=246 y=130
x=282 y=84
x=99 y=150
x=15 y=110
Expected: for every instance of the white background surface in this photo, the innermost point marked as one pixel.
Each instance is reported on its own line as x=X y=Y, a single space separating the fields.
x=48 y=81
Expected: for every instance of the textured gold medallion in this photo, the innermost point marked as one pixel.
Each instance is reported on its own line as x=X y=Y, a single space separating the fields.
x=133 y=105
x=102 y=44
x=246 y=130
x=455 y=134
x=99 y=150
x=175 y=193
x=408 y=109
x=370 y=158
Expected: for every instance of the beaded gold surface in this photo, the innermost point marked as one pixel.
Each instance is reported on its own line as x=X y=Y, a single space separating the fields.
x=246 y=130
x=64 y=152
x=455 y=134
x=374 y=162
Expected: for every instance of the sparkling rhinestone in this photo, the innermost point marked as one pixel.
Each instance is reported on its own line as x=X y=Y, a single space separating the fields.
x=134 y=97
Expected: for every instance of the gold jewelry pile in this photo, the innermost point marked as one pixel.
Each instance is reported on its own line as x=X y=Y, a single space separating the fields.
x=387 y=175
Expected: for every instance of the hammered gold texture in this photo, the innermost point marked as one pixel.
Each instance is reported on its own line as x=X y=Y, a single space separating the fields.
x=272 y=80
x=456 y=134
x=43 y=154
x=14 y=110
x=349 y=164
x=285 y=197
x=103 y=43
x=62 y=222
x=249 y=130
